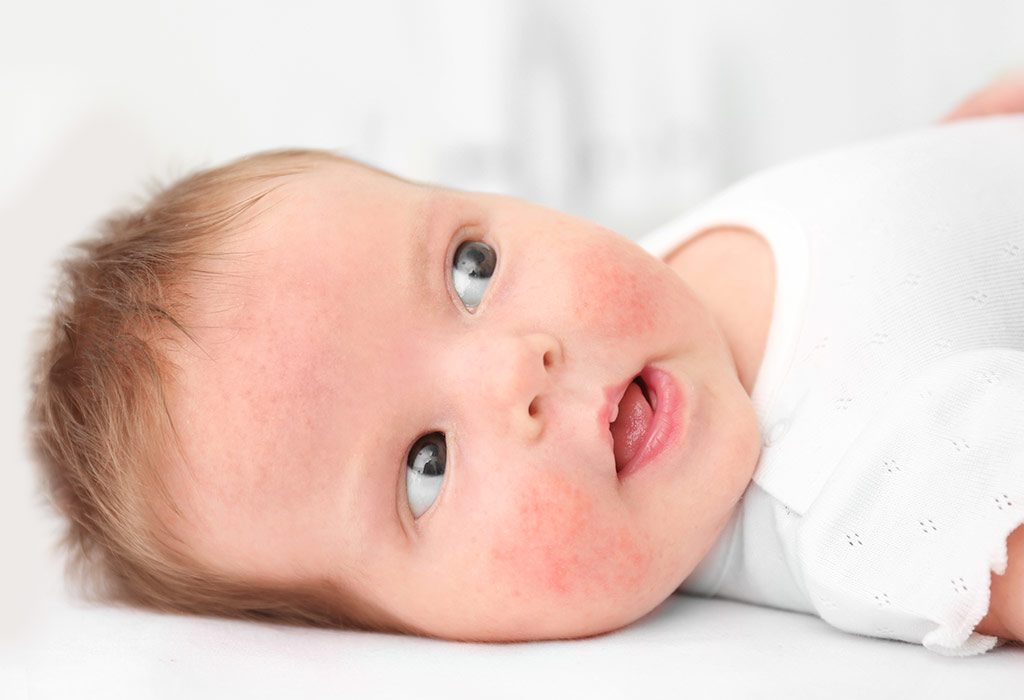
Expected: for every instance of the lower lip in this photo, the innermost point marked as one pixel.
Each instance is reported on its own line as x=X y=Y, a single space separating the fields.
x=666 y=423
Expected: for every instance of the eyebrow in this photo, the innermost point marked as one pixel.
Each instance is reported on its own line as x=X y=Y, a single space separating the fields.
x=420 y=247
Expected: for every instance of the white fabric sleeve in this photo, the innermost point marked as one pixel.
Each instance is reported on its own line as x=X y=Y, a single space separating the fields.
x=902 y=540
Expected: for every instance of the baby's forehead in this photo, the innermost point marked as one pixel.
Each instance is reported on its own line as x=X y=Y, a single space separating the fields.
x=337 y=203
x=257 y=397
x=355 y=183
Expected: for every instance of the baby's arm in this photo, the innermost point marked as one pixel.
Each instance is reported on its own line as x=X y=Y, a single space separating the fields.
x=1005 y=96
x=1005 y=616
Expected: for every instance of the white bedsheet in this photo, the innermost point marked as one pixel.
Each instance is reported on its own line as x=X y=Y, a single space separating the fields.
x=688 y=647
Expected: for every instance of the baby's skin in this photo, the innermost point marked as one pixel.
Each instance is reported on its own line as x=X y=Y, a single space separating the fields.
x=354 y=409
x=338 y=346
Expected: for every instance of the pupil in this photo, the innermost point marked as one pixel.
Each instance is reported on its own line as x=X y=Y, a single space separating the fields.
x=427 y=457
x=476 y=259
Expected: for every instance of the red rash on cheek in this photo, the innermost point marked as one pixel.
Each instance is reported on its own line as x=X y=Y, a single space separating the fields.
x=609 y=292
x=559 y=545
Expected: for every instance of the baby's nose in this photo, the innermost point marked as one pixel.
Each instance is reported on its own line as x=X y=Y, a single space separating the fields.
x=515 y=374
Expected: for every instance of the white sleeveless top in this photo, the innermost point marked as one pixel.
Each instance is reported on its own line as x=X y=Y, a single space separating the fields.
x=891 y=393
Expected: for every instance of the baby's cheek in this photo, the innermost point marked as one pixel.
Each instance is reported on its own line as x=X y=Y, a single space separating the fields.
x=610 y=293
x=561 y=547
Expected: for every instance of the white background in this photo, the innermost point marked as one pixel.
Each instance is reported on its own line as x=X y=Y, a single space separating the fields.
x=623 y=112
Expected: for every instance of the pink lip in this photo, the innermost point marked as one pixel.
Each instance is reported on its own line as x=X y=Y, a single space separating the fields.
x=666 y=424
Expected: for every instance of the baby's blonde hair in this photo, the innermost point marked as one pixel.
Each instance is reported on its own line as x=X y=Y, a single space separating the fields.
x=100 y=426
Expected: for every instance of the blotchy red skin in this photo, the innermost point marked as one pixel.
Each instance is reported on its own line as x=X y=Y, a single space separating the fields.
x=562 y=550
x=608 y=296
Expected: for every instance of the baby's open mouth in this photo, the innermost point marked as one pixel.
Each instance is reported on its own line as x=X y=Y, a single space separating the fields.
x=631 y=420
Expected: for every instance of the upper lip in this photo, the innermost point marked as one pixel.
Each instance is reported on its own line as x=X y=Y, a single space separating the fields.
x=612 y=395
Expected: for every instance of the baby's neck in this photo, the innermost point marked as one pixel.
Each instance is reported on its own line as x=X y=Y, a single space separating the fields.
x=732 y=272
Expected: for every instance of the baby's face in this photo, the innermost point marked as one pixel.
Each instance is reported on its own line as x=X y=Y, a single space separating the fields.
x=348 y=356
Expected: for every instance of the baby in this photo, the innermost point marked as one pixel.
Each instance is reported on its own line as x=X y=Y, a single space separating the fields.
x=302 y=389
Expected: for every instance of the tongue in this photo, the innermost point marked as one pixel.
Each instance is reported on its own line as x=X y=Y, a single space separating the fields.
x=630 y=427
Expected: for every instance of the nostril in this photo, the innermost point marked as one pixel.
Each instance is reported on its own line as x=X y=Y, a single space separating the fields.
x=548 y=358
x=533 y=407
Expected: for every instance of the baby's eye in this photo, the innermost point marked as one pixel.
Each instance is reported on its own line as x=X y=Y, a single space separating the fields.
x=425 y=472
x=472 y=267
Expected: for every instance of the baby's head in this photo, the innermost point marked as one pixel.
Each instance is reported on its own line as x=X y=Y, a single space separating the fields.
x=302 y=389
